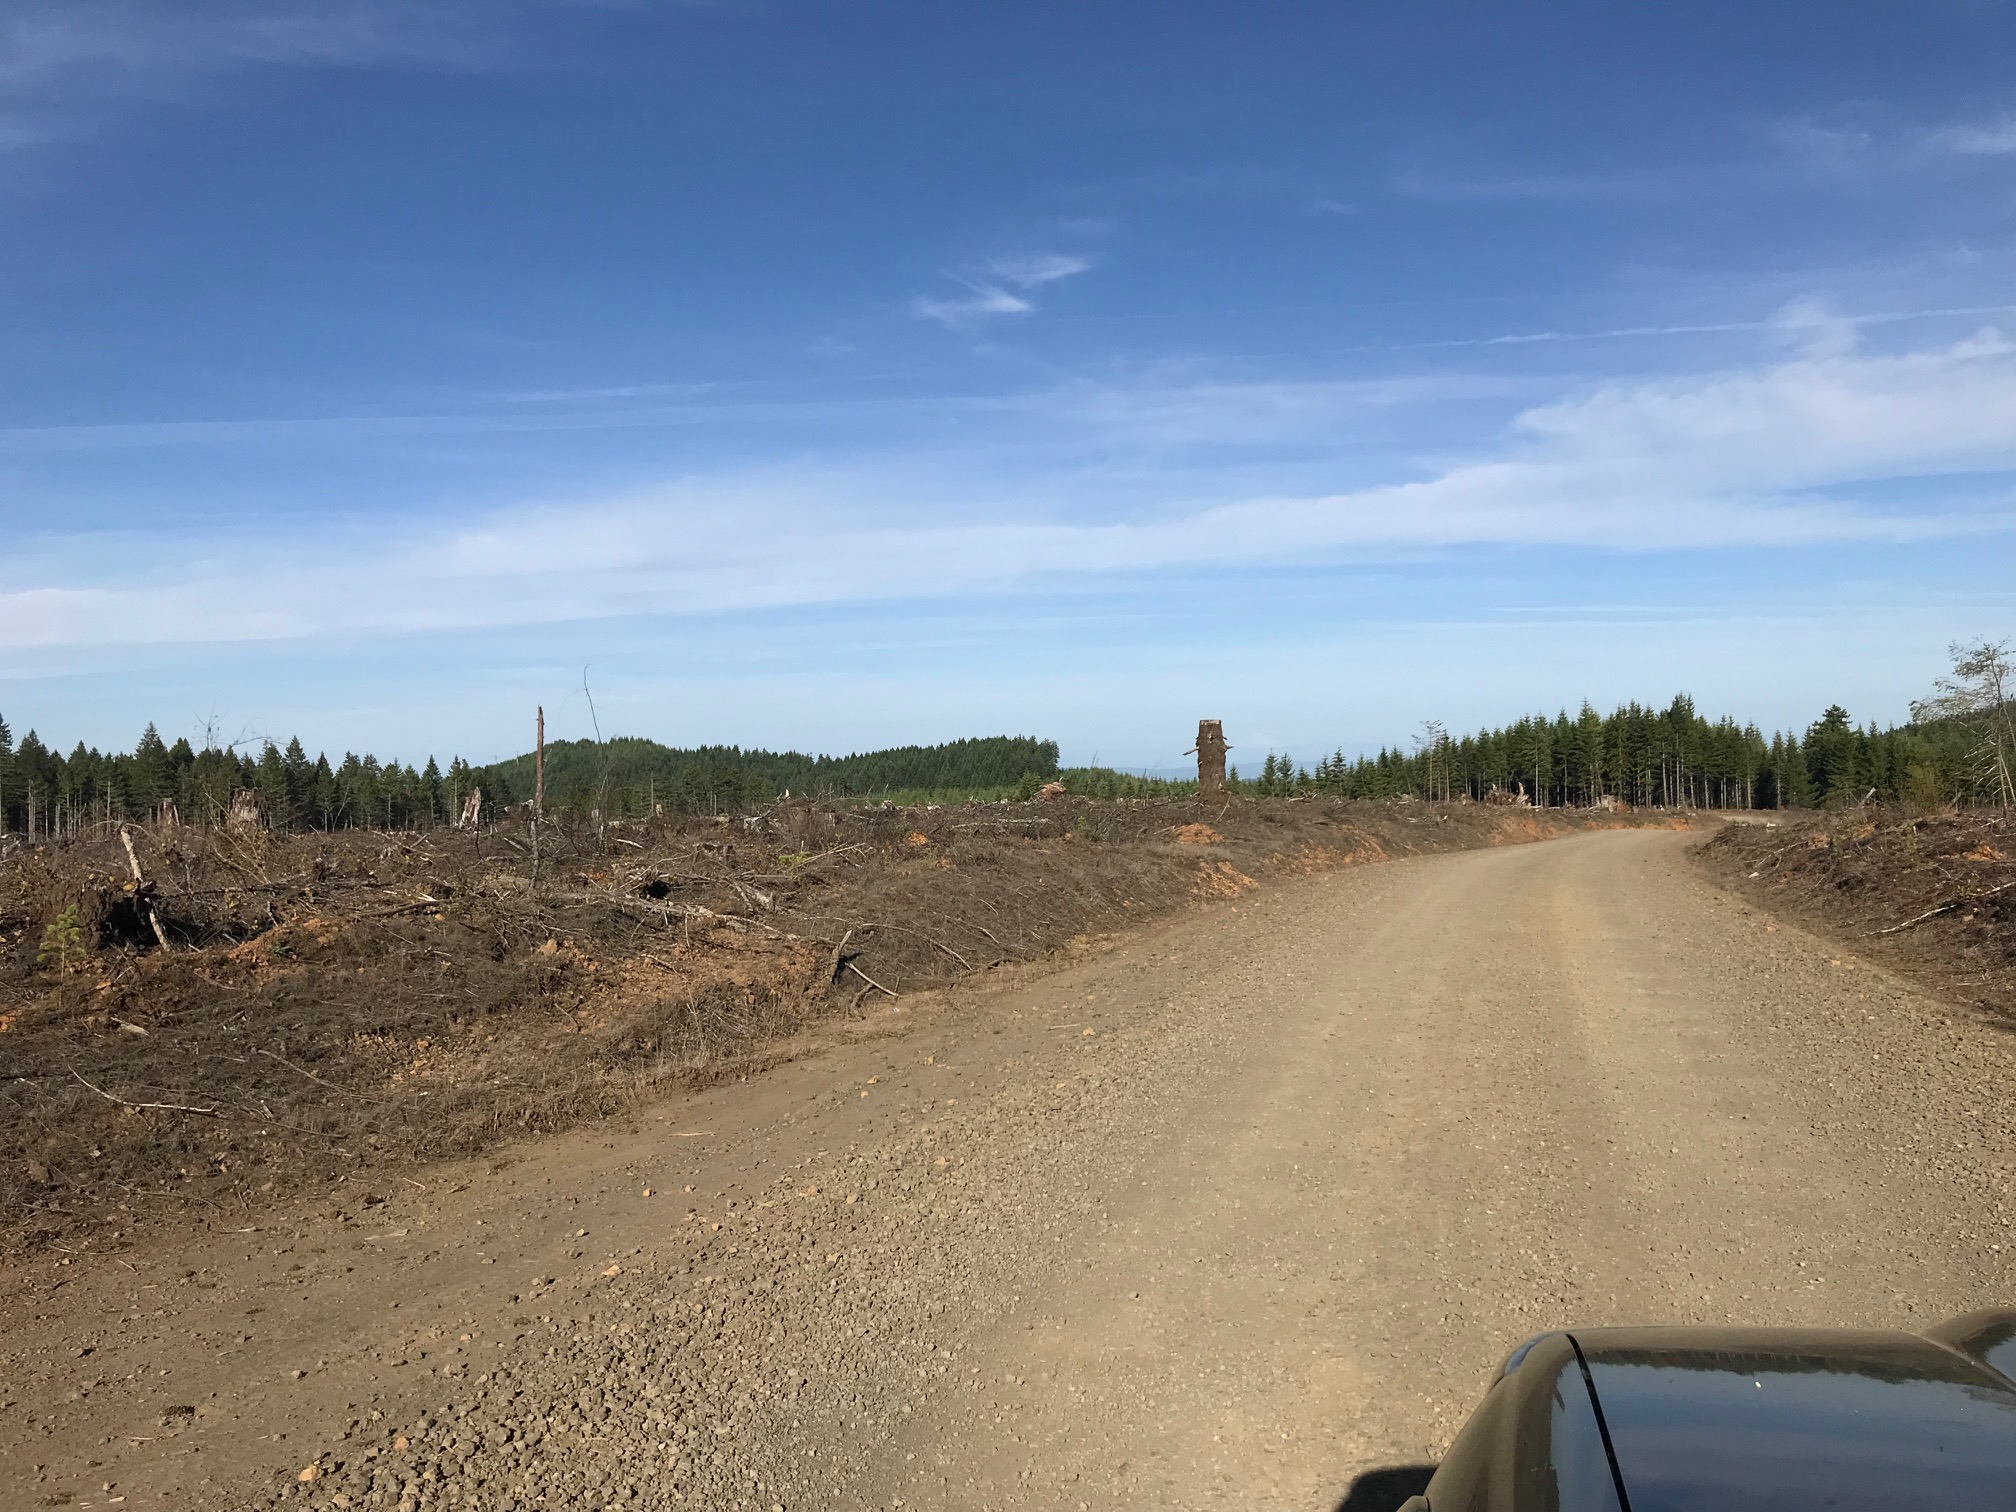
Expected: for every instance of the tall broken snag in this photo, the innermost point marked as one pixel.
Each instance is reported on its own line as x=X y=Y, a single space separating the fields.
x=1210 y=749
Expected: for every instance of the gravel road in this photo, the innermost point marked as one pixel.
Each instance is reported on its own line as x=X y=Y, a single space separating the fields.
x=1224 y=1214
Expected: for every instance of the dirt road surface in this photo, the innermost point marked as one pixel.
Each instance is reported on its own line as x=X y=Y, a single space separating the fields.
x=1225 y=1214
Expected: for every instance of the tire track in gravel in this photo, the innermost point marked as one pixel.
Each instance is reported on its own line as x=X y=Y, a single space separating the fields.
x=1319 y=1162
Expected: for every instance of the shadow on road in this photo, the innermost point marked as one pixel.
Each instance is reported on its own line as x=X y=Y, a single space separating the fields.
x=1383 y=1490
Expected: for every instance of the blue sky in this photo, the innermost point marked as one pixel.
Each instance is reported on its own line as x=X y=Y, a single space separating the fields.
x=841 y=375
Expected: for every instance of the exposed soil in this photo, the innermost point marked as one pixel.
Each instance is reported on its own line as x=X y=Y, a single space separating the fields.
x=1930 y=894
x=1235 y=1211
x=331 y=1005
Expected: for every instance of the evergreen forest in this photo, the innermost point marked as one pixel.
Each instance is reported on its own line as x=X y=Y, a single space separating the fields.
x=1671 y=757
x=44 y=792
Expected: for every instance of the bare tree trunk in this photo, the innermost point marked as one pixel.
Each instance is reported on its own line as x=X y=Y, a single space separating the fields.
x=538 y=789
x=1210 y=751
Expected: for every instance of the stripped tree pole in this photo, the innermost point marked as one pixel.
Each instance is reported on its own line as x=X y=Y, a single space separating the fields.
x=538 y=789
x=1210 y=750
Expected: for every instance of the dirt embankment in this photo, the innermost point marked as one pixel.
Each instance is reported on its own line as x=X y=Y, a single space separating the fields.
x=1931 y=894
x=254 y=1015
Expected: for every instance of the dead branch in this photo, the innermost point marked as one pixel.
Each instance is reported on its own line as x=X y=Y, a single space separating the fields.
x=132 y=856
x=1915 y=920
x=140 y=885
x=868 y=979
x=761 y=899
x=833 y=966
x=304 y=1071
x=421 y=904
x=1933 y=913
x=665 y=909
x=927 y=939
x=163 y=1107
x=983 y=929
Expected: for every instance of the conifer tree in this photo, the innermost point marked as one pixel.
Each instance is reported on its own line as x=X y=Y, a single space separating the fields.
x=275 y=803
x=299 y=773
x=322 y=803
x=1830 y=755
x=153 y=775
x=1589 y=753
x=432 y=807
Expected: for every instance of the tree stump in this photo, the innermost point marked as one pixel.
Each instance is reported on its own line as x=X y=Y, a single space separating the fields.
x=244 y=811
x=1210 y=749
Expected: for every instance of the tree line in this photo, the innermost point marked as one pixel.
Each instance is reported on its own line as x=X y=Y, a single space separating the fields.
x=46 y=793
x=1957 y=748
x=1647 y=757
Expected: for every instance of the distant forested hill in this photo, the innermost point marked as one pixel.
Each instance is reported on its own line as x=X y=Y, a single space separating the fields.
x=627 y=775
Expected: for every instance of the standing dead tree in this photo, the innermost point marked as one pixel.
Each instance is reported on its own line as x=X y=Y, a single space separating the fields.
x=1210 y=752
x=1978 y=696
x=538 y=788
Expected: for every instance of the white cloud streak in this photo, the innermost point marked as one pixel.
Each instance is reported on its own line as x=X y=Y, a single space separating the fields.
x=985 y=299
x=990 y=293
x=1746 y=458
x=1040 y=268
x=1784 y=320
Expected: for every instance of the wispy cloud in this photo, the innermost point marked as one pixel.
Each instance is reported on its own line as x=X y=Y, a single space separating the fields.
x=1156 y=407
x=985 y=299
x=609 y=392
x=1781 y=454
x=1978 y=141
x=1823 y=144
x=1792 y=149
x=48 y=48
x=1794 y=316
x=63 y=62
x=1038 y=268
x=991 y=291
x=1430 y=184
